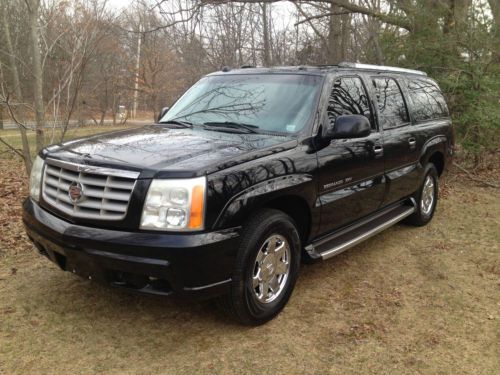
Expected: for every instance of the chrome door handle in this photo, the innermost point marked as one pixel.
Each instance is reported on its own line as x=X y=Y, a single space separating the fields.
x=412 y=141
x=377 y=149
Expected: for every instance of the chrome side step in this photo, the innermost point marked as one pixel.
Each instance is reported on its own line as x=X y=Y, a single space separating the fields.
x=349 y=237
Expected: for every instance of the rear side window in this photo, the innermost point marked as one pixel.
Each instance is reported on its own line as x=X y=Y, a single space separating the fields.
x=348 y=97
x=391 y=105
x=428 y=101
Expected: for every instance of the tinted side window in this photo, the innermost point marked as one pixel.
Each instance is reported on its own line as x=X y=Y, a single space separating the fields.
x=348 y=97
x=391 y=106
x=428 y=101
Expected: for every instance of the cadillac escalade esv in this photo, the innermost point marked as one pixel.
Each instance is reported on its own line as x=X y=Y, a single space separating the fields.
x=249 y=172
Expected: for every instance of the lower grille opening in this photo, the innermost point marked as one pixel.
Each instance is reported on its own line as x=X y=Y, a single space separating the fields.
x=60 y=260
x=146 y=283
x=41 y=249
x=160 y=285
x=53 y=256
x=133 y=280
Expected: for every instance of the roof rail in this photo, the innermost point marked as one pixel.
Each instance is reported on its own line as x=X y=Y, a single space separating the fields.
x=380 y=67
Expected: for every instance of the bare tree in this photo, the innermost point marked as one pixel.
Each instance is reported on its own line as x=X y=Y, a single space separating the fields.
x=5 y=98
x=36 y=71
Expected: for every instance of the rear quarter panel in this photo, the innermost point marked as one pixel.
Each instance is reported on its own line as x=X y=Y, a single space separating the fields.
x=432 y=136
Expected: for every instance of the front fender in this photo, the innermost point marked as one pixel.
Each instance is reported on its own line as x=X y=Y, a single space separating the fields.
x=239 y=207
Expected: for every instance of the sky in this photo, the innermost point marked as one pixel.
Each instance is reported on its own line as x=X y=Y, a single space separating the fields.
x=119 y=4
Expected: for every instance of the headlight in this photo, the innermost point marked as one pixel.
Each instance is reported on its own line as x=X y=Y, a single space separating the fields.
x=176 y=205
x=36 y=178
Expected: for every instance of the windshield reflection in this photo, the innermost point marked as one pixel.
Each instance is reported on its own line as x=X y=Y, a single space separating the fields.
x=271 y=102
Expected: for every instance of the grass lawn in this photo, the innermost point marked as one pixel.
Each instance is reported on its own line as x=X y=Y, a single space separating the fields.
x=408 y=301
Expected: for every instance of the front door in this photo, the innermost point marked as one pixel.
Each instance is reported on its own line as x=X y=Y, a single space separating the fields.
x=350 y=170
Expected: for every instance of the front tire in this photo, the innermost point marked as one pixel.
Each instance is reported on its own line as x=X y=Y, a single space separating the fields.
x=426 y=197
x=266 y=268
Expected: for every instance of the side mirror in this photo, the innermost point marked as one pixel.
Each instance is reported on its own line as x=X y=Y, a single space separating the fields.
x=162 y=113
x=349 y=126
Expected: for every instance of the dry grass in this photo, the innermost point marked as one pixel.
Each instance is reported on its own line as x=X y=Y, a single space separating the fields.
x=410 y=300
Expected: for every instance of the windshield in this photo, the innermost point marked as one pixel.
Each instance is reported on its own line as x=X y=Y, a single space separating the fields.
x=268 y=102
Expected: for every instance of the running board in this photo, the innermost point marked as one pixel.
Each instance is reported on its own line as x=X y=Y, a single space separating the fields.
x=351 y=236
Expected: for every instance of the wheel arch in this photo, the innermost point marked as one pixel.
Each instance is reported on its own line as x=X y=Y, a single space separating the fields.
x=437 y=158
x=434 y=152
x=297 y=208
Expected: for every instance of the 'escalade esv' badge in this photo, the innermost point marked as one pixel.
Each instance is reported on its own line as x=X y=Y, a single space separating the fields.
x=75 y=192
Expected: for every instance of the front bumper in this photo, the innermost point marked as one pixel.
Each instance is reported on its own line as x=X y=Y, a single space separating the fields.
x=193 y=265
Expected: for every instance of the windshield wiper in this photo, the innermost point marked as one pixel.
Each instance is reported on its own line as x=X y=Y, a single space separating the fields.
x=183 y=124
x=233 y=125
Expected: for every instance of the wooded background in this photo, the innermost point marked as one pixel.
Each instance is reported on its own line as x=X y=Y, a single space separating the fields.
x=67 y=61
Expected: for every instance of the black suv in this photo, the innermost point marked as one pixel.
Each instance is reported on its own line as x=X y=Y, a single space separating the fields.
x=251 y=170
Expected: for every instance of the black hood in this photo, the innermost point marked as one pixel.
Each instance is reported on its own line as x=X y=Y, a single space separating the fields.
x=160 y=148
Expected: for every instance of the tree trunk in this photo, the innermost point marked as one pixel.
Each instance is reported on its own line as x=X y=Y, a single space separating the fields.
x=265 y=35
x=33 y=7
x=495 y=11
x=103 y=116
x=345 y=35
x=335 y=36
x=137 y=74
x=17 y=86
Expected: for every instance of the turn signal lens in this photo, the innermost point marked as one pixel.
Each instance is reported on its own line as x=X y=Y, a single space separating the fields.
x=197 y=206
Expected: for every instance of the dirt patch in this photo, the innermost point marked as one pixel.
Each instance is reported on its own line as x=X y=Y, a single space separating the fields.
x=410 y=300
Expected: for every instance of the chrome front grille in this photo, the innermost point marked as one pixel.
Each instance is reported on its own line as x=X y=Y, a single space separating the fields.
x=105 y=192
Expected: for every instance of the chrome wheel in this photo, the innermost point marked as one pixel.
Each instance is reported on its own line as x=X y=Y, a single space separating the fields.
x=271 y=269
x=427 y=198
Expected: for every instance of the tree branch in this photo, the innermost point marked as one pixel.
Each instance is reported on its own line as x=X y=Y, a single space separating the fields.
x=11 y=147
x=346 y=4
x=329 y=14
x=316 y=31
x=475 y=179
x=5 y=101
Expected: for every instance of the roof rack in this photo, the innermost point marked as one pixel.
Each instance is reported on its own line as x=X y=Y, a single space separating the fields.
x=380 y=67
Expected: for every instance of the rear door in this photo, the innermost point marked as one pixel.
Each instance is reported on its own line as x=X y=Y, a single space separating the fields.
x=399 y=140
x=350 y=170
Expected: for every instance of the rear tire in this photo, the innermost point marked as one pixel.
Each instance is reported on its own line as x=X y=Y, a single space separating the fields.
x=426 y=198
x=266 y=268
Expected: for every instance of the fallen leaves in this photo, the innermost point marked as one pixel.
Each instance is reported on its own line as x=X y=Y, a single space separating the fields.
x=13 y=190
